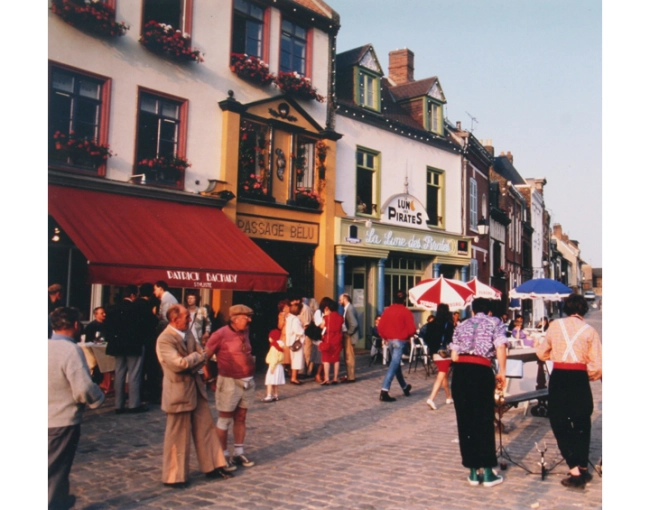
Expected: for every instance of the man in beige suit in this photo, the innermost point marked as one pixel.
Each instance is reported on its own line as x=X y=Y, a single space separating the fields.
x=185 y=401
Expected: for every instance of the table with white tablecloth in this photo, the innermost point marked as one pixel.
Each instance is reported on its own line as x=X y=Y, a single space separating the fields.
x=96 y=357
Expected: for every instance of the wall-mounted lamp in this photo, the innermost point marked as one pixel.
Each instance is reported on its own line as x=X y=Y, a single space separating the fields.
x=143 y=178
x=56 y=237
x=483 y=227
x=366 y=223
x=225 y=194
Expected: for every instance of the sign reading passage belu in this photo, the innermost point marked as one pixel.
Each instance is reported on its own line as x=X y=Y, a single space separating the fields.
x=406 y=211
x=278 y=230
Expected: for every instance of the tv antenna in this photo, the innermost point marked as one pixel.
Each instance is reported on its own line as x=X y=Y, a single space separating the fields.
x=474 y=119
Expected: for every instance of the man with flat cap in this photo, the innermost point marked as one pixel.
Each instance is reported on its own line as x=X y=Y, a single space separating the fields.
x=235 y=385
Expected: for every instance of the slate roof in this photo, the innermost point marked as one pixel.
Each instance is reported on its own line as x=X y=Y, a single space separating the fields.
x=351 y=57
x=505 y=169
x=413 y=89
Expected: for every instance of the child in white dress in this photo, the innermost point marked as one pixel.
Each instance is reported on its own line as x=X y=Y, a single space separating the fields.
x=275 y=373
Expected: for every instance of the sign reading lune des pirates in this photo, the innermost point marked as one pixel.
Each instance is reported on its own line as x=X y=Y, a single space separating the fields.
x=406 y=211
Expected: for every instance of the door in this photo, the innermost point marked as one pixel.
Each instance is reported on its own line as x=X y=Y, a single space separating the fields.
x=355 y=286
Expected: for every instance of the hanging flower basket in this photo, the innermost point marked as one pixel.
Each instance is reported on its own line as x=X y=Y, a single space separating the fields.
x=251 y=69
x=79 y=151
x=164 y=169
x=166 y=40
x=90 y=15
x=307 y=198
x=297 y=86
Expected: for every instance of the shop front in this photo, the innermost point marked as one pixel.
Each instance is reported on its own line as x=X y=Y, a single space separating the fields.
x=123 y=236
x=375 y=259
x=278 y=163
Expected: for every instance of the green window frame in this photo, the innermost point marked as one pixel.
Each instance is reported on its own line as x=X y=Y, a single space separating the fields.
x=367 y=182
x=367 y=90
x=401 y=273
x=436 y=197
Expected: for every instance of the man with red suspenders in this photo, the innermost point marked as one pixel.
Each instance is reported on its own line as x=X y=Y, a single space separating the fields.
x=575 y=349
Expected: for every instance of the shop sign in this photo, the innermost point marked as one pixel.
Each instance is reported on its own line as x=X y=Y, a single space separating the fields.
x=200 y=279
x=278 y=230
x=396 y=239
x=406 y=211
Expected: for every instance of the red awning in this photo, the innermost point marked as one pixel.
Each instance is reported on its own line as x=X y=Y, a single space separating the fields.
x=133 y=240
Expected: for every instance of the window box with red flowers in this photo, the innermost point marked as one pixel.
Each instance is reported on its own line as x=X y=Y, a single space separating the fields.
x=91 y=16
x=251 y=69
x=166 y=40
x=166 y=170
x=297 y=86
x=79 y=152
x=307 y=198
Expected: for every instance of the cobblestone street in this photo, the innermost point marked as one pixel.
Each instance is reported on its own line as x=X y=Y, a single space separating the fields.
x=331 y=447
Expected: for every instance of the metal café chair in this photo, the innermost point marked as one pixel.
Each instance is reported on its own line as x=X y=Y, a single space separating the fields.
x=419 y=352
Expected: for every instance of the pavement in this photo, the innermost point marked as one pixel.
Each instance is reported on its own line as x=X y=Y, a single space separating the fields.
x=334 y=447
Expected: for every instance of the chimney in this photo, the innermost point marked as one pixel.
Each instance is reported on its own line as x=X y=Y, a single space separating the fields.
x=458 y=126
x=510 y=158
x=400 y=66
x=487 y=143
x=557 y=230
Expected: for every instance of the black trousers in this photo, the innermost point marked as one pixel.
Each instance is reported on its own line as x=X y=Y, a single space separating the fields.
x=61 y=448
x=473 y=393
x=570 y=404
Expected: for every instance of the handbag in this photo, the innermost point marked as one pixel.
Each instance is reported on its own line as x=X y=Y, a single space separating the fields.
x=296 y=346
x=444 y=353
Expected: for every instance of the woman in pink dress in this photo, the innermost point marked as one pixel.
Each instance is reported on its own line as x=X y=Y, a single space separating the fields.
x=332 y=341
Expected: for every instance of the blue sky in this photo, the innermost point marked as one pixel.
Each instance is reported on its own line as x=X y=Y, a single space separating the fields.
x=529 y=71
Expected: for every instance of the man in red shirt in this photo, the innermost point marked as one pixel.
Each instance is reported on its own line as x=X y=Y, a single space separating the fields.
x=235 y=385
x=397 y=326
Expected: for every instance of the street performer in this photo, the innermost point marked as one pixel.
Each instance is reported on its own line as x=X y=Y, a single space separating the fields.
x=575 y=349
x=475 y=343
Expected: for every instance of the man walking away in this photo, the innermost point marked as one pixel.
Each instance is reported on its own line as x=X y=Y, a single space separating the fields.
x=397 y=325
x=70 y=389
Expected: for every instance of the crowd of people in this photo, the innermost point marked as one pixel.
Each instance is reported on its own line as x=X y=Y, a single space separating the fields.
x=168 y=346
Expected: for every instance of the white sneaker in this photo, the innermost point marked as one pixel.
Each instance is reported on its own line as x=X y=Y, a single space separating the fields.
x=449 y=401
x=431 y=404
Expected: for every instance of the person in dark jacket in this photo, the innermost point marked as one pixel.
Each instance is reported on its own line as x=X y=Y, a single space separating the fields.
x=152 y=374
x=126 y=344
x=437 y=337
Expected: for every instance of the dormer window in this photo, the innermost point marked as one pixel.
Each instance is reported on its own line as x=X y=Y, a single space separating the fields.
x=434 y=117
x=368 y=90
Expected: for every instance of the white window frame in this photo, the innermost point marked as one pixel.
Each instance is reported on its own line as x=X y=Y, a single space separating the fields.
x=473 y=204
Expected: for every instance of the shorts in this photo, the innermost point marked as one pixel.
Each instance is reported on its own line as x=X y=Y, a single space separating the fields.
x=233 y=393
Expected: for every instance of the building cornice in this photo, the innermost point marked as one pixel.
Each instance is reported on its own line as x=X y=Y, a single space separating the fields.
x=126 y=188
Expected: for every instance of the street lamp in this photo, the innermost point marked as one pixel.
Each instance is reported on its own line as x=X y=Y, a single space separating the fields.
x=483 y=227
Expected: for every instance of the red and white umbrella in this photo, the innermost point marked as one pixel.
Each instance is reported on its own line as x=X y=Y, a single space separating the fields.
x=428 y=294
x=481 y=290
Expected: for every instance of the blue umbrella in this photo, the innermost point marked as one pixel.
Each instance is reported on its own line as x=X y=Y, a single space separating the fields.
x=541 y=288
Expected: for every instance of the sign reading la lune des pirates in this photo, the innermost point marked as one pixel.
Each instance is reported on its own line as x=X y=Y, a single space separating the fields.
x=406 y=211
